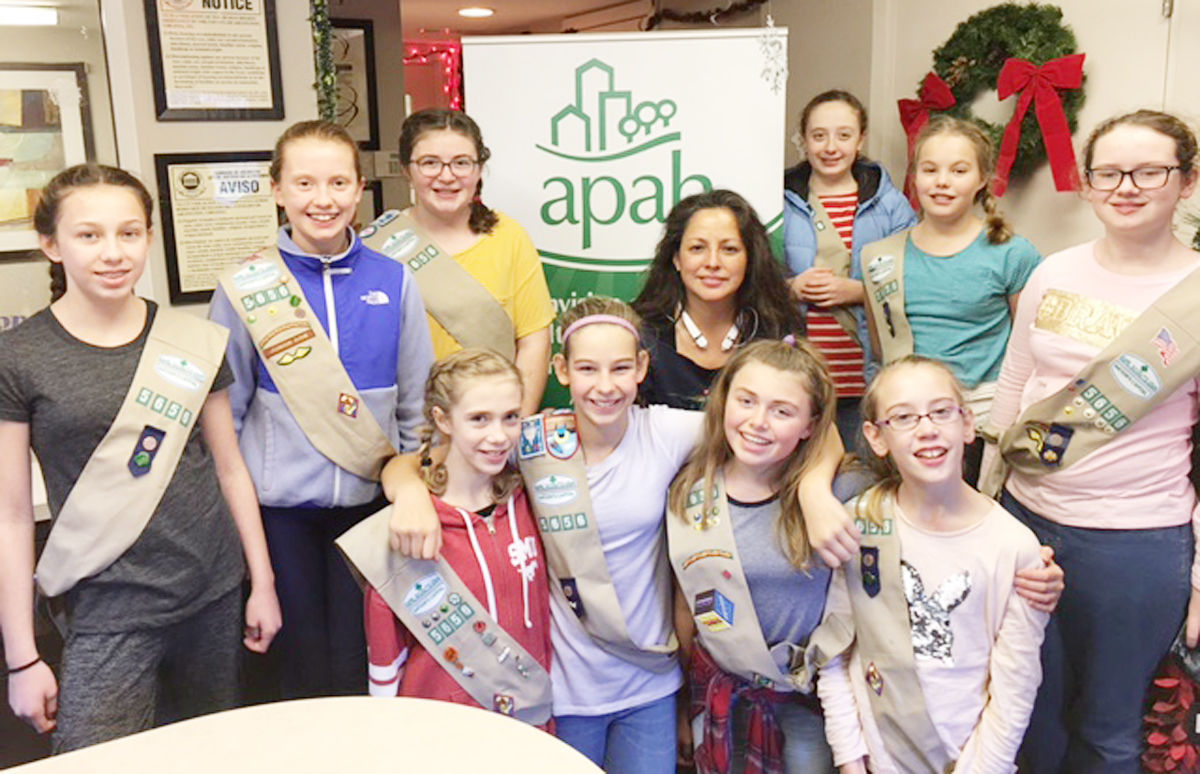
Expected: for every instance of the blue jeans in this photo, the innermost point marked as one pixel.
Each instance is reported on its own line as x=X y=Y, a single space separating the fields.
x=805 y=750
x=1127 y=593
x=322 y=649
x=638 y=740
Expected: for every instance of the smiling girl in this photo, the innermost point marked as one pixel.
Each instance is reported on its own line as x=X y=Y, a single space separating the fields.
x=126 y=406
x=330 y=348
x=947 y=287
x=1100 y=381
x=835 y=202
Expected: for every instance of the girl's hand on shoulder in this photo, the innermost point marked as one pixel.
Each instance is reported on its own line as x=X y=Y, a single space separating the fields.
x=414 y=528
x=1043 y=586
x=831 y=529
x=33 y=697
x=263 y=618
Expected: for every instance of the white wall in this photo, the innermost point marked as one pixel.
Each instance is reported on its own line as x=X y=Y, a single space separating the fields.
x=140 y=135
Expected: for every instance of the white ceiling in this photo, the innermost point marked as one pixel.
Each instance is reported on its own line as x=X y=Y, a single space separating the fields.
x=512 y=16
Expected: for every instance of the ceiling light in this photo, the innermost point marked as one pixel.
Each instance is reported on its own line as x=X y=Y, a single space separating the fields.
x=28 y=16
x=475 y=12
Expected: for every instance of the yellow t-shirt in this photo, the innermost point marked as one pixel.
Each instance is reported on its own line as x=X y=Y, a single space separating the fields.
x=506 y=263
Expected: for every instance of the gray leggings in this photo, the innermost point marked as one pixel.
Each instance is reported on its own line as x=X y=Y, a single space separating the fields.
x=113 y=685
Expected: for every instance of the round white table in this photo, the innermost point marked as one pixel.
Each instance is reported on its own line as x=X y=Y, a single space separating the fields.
x=357 y=735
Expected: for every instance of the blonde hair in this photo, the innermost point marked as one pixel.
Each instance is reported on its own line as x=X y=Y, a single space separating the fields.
x=447 y=381
x=711 y=455
x=593 y=305
x=883 y=469
x=998 y=230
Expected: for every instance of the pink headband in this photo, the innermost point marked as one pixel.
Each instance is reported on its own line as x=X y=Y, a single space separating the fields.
x=593 y=319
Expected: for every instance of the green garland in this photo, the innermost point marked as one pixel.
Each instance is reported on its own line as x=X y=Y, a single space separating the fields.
x=971 y=60
x=711 y=16
x=326 y=84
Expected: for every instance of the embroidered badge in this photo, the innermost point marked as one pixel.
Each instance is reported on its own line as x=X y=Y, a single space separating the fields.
x=881 y=267
x=714 y=610
x=147 y=446
x=874 y=679
x=571 y=591
x=299 y=353
x=1135 y=376
x=708 y=553
x=348 y=405
x=868 y=558
x=504 y=704
x=400 y=244
x=425 y=594
x=179 y=372
x=561 y=438
x=284 y=339
x=161 y=404
x=1051 y=442
x=1164 y=342
x=555 y=490
x=932 y=636
x=255 y=275
x=375 y=298
x=533 y=437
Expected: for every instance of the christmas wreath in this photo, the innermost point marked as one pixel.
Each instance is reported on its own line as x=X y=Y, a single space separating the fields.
x=971 y=60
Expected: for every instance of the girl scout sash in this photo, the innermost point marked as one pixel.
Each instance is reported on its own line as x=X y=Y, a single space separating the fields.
x=449 y=622
x=307 y=372
x=832 y=254
x=1156 y=354
x=454 y=298
x=124 y=480
x=556 y=478
x=709 y=571
x=883 y=276
x=879 y=628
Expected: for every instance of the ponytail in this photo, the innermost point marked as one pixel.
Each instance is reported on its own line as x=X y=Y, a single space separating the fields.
x=58 y=281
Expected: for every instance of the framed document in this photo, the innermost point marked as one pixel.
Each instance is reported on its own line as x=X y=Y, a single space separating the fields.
x=214 y=60
x=217 y=209
x=45 y=127
x=354 y=59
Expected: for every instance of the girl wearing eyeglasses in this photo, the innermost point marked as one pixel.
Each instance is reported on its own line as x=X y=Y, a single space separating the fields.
x=443 y=155
x=1120 y=511
x=929 y=657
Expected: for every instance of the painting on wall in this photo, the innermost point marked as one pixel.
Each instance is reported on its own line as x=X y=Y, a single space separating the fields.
x=44 y=128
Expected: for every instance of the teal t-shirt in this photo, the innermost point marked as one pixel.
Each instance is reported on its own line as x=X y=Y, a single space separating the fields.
x=957 y=304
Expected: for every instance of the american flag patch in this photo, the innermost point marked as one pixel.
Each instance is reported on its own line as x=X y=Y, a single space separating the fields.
x=1168 y=350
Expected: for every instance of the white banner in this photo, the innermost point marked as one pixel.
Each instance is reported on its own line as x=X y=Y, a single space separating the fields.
x=595 y=137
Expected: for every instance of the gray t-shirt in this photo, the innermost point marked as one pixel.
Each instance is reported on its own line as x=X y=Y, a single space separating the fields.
x=69 y=392
x=787 y=601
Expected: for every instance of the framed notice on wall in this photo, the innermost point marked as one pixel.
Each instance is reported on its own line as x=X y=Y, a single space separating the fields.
x=217 y=209
x=354 y=59
x=214 y=60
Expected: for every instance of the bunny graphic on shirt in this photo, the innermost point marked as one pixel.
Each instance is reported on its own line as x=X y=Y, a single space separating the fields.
x=929 y=615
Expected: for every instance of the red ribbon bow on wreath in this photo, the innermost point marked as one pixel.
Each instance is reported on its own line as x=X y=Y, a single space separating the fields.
x=1039 y=85
x=935 y=94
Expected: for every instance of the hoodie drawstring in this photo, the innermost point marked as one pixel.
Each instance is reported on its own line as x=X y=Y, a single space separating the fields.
x=483 y=565
x=521 y=568
x=512 y=524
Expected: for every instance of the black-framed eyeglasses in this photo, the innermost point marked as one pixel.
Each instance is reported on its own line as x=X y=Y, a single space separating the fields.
x=432 y=166
x=908 y=420
x=1144 y=178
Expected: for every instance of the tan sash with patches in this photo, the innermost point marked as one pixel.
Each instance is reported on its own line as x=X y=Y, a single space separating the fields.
x=458 y=301
x=706 y=563
x=832 y=254
x=449 y=622
x=123 y=481
x=883 y=276
x=1146 y=362
x=307 y=372
x=555 y=476
x=881 y=632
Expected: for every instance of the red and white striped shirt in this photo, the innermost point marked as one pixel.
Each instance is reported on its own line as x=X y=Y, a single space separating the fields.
x=844 y=356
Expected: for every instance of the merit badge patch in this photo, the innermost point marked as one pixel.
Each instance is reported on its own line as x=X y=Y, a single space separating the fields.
x=874 y=679
x=399 y=245
x=285 y=340
x=425 y=594
x=1135 y=376
x=571 y=591
x=555 y=490
x=714 y=610
x=179 y=372
x=868 y=558
x=881 y=268
x=348 y=405
x=533 y=437
x=256 y=275
x=708 y=553
x=561 y=439
x=147 y=446
x=504 y=704
x=1164 y=342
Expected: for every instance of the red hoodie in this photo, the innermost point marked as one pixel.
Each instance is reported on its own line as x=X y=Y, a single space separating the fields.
x=399 y=665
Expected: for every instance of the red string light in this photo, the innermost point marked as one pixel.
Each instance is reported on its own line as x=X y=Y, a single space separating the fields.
x=449 y=55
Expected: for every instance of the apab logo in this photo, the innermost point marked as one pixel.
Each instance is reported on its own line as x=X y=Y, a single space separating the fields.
x=606 y=146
